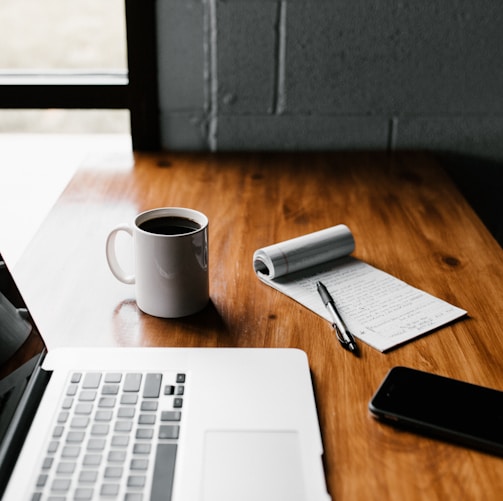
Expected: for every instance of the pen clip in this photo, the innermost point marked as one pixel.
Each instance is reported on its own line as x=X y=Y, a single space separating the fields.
x=339 y=335
x=348 y=344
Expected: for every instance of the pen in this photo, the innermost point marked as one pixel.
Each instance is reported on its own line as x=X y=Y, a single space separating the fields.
x=343 y=335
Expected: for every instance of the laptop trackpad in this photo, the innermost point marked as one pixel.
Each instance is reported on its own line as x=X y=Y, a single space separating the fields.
x=252 y=465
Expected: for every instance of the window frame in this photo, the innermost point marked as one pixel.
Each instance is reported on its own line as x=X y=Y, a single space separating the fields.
x=135 y=89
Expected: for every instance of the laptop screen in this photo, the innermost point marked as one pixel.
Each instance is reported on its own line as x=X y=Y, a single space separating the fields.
x=21 y=349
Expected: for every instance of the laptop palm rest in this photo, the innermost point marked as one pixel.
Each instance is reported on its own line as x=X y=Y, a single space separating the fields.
x=252 y=465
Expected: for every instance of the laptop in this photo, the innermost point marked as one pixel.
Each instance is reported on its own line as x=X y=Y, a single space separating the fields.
x=130 y=424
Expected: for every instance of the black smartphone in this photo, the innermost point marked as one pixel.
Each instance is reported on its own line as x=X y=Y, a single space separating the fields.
x=441 y=407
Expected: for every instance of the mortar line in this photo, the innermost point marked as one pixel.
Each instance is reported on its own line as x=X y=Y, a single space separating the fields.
x=213 y=76
x=392 y=133
x=279 y=97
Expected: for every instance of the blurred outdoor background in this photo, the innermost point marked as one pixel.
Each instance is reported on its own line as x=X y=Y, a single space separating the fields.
x=52 y=35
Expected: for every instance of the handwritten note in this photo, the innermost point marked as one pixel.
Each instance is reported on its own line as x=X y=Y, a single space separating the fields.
x=378 y=308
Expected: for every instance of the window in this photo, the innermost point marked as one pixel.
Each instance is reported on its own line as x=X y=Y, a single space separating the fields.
x=82 y=55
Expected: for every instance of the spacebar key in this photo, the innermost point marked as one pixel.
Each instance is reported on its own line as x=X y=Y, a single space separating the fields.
x=164 y=471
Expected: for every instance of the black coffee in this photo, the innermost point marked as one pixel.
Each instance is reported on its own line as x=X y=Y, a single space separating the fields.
x=170 y=225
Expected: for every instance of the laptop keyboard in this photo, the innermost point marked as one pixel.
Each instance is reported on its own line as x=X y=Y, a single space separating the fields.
x=115 y=438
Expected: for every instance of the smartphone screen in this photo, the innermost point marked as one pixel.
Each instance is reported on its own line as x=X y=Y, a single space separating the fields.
x=443 y=407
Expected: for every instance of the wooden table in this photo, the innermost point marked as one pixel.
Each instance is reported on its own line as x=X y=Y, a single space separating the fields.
x=407 y=218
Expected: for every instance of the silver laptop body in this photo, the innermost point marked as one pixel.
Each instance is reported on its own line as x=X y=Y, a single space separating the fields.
x=176 y=424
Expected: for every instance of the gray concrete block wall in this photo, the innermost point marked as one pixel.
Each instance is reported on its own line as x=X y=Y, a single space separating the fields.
x=332 y=74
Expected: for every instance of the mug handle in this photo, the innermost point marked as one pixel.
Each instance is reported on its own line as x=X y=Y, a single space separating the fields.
x=113 y=263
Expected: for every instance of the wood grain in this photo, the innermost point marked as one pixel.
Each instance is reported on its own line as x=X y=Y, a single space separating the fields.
x=408 y=220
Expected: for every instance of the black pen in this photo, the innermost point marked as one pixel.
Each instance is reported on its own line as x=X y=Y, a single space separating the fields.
x=343 y=335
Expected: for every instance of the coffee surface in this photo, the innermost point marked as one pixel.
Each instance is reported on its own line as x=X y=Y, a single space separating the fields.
x=169 y=225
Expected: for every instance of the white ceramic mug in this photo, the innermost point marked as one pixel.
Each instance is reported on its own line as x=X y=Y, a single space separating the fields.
x=171 y=261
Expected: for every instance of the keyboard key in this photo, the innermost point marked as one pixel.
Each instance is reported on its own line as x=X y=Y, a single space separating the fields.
x=180 y=378
x=171 y=415
x=129 y=399
x=103 y=415
x=83 y=494
x=110 y=389
x=120 y=440
x=169 y=431
x=162 y=483
x=116 y=456
x=57 y=497
x=92 y=460
x=84 y=408
x=149 y=405
x=70 y=451
x=42 y=480
x=132 y=382
x=67 y=403
x=71 y=391
x=126 y=412
x=75 y=437
x=169 y=389
x=65 y=468
x=113 y=377
x=180 y=390
x=88 y=476
x=178 y=403
x=52 y=447
x=87 y=396
x=46 y=465
x=107 y=402
x=123 y=426
x=133 y=496
x=61 y=484
x=96 y=444
x=139 y=464
x=146 y=419
x=58 y=431
x=91 y=380
x=100 y=429
x=76 y=377
x=137 y=481
x=113 y=471
x=109 y=490
x=152 y=386
x=142 y=448
x=79 y=422
x=144 y=433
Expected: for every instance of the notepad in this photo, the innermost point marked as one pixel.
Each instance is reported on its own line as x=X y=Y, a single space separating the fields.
x=378 y=308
